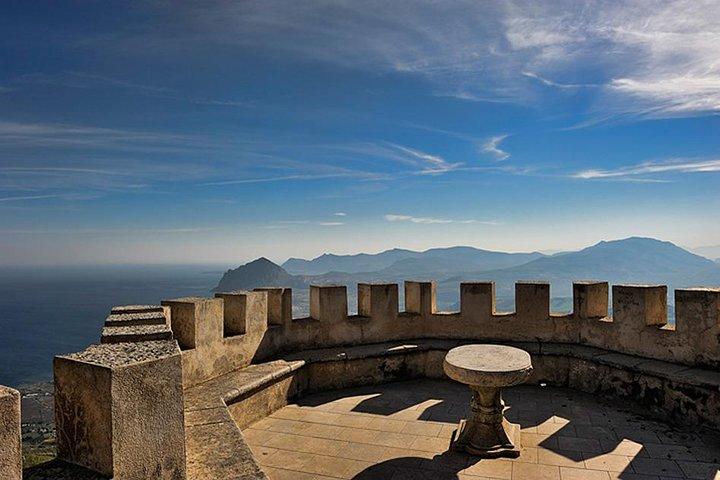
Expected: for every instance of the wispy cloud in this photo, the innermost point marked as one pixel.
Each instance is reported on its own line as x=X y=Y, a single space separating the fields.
x=22 y=198
x=432 y=220
x=647 y=59
x=86 y=80
x=340 y=214
x=671 y=166
x=429 y=164
x=492 y=146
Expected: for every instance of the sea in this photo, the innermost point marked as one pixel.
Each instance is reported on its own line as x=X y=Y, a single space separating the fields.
x=47 y=311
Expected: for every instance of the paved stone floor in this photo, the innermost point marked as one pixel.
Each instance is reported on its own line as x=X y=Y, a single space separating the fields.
x=402 y=431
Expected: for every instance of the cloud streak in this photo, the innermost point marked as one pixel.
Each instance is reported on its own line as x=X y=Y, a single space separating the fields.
x=672 y=166
x=647 y=59
x=492 y=147
x=390 y=217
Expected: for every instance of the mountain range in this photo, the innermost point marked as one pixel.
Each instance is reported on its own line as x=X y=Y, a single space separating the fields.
x=630 y=260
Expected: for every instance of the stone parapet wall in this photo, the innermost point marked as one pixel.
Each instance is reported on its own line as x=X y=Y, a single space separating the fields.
x=236 y=329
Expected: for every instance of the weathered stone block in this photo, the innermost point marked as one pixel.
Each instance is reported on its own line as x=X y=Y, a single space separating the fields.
x=279 y=305
x=640 y=305
x=243 y=312
x=195 y=320
x=328 y=303
x=379 y=300
x=532 y=300
x=119 y=410
x=697 y=319
x=477 y=299
x=590 y=299
x=420 y=297
x=10 y=437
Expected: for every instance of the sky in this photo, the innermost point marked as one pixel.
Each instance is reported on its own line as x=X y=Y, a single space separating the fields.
x=181 y=132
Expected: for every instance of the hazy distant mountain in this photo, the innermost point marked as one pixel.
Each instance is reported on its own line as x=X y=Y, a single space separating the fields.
x=631 y=260
x=258 y=273
x=710 y=251
x=435 y=260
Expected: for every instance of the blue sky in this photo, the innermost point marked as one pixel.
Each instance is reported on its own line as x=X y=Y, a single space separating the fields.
x=173 y=132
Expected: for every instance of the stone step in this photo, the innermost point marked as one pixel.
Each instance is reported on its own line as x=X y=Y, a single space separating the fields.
x=138 y=333
x=136 y=309
x=135 y=319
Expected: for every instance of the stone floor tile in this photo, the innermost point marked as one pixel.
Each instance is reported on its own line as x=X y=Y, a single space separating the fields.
x=537 y=440
x=568 y=473
x=532 y=471
x=262 y=453
x=579 y=444
x=498 y=468
x=334 y=466
x=430 y=444
x=672 y=452
x=560 y=458
x=428 y=429
x=607 y=462
x=352 y=421
x=699 y=470
x=447 y=431
x=386 y=424
x=282 y=474
x=625 y=447
x=656 y=466
x=256 y=437
x=361 y=451
x=527 y=455
x=391 y=439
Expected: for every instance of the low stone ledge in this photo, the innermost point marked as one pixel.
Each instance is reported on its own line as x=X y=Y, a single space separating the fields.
x=136 y=333
x=133 y=319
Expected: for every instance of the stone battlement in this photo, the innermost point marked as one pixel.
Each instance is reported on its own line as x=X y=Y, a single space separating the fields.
x=169 y=382
x=243 y=327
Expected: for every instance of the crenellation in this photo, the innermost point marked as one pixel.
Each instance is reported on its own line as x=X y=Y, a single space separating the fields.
x=227 y=334
x=328 y=303
x=378 y=300
x=243 y=311
x=195 y=320
x=637 y=306
x=279 y=305
x=590 y=299
x=532 y=300
x=477 y=299
x=420 y=297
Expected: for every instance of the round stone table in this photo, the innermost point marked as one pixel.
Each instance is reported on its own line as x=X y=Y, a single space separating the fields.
x=486 y=369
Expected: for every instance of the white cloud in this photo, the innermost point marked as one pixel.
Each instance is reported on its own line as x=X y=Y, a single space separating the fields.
x=492 y=146
x=340 y=214
x=673 y=166
x=429 y=164
x=649 y=58
x=432 y=220
x=331 y=224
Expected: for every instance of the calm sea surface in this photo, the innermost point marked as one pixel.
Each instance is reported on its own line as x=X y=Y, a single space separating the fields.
x=49 y=311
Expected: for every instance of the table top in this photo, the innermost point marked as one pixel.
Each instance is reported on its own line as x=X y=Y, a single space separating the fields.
x=488 y=365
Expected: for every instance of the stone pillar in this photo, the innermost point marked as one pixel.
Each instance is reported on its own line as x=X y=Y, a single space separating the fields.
x=590 y=299
x=279 y=305
x=638 y=306
x=420 y=297
x=196 y=321
x=477 y=299
x=532 y=300
x=328 y=303
x=119 y=410
x=10 y=436
x=378 y=300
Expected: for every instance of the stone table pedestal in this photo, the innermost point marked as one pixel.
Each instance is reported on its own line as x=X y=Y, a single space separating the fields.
x=486 y=369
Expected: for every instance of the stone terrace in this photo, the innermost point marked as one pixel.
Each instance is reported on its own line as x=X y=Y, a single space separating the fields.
x=402 y=431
